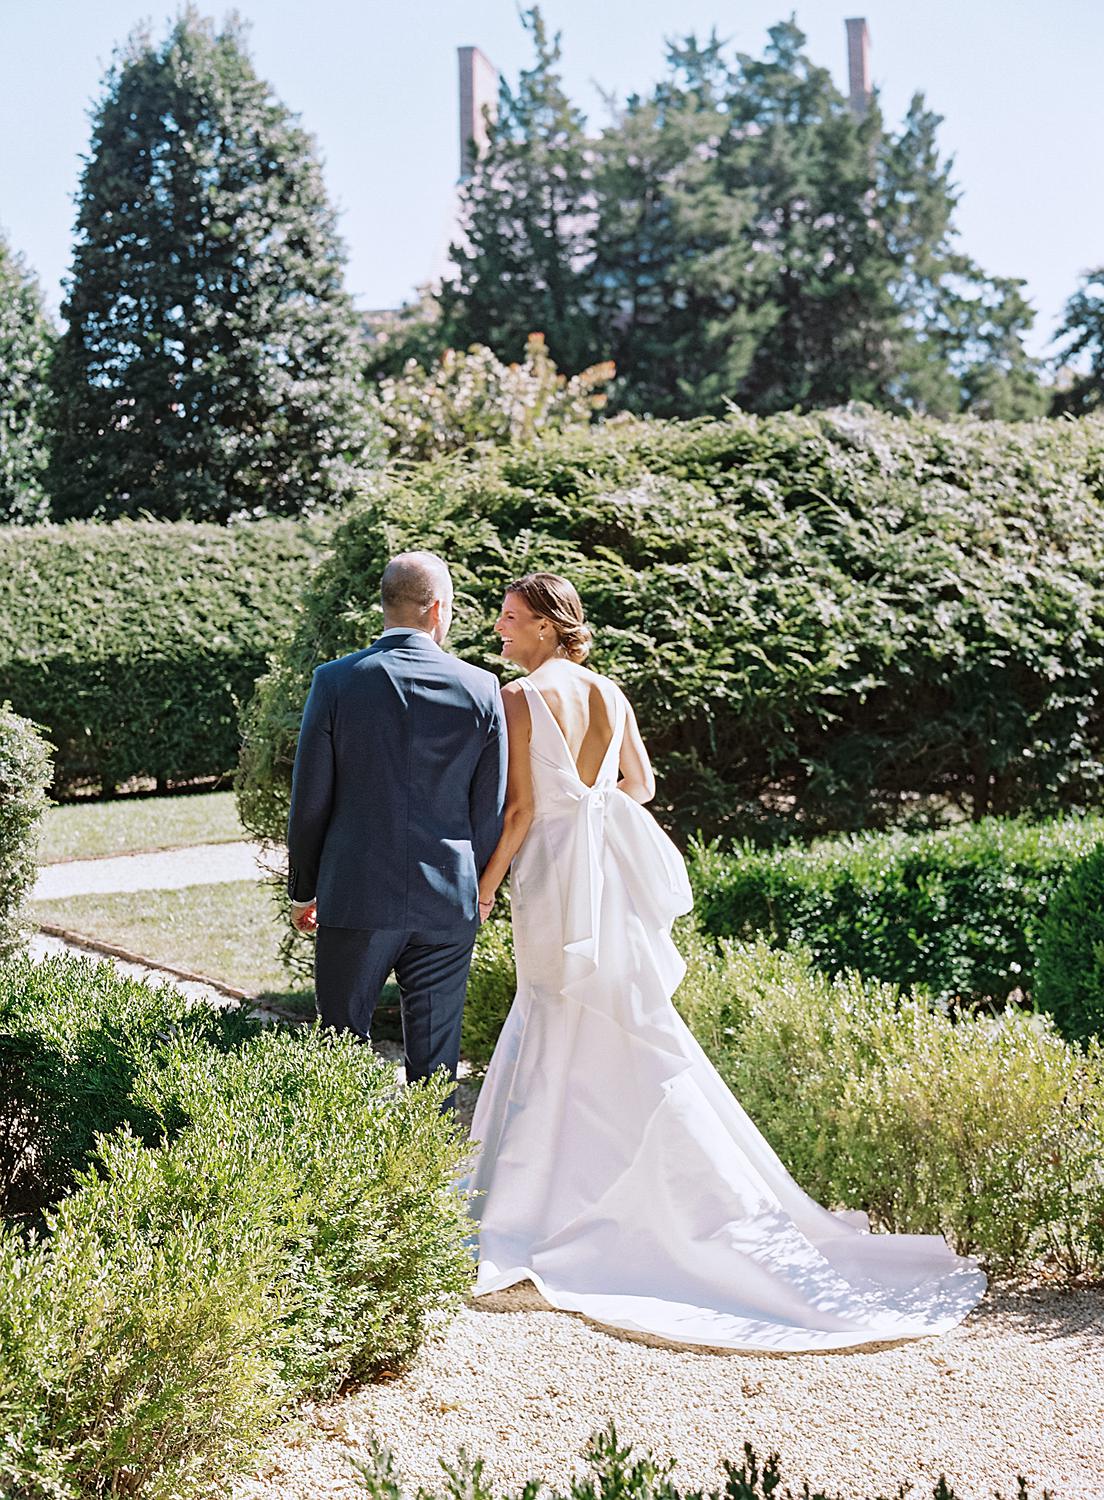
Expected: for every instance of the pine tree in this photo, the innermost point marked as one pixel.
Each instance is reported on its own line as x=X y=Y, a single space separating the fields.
x=209 y=367
x=522 y=263
x=26 y=342
x=1081 y=354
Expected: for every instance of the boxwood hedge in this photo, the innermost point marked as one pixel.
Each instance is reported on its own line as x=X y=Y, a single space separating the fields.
x=133 y=643
x=825 y=621
x=957 y=911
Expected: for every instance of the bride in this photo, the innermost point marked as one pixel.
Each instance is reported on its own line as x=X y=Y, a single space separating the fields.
x=614 y=1168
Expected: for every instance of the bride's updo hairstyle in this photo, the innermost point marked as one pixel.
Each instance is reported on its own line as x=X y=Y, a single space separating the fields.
x=555 y=600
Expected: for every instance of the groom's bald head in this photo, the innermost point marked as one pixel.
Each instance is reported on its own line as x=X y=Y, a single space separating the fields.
x=416 y=590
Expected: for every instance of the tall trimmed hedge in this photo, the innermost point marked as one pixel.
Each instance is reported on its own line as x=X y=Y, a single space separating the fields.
x=824 y=621
x=24 y=776
x=133 y=643
x=957 y=911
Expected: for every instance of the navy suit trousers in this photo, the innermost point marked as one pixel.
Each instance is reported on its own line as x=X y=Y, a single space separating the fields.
x=351 y=966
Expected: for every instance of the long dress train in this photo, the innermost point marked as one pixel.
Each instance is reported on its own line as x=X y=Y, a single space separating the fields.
x=616 y=1170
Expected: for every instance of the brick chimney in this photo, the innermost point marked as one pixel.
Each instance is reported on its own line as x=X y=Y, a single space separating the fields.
x=858 y=64
x=478 y=92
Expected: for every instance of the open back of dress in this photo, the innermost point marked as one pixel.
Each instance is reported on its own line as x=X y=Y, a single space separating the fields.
x=616 y=1171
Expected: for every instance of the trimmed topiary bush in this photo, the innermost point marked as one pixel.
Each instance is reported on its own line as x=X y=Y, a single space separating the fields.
x=287 y=1224
x=958 y=911
x=134 y=643
x=24 y=777
x=1069 y=968
x=825 y=622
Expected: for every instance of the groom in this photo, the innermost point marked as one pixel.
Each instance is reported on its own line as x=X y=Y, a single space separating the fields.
x=396 y=806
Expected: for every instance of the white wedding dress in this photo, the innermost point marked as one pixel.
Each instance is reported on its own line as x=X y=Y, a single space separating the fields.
x=615 y=1170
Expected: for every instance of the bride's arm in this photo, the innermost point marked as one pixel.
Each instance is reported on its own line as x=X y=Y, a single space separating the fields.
x=519 y=796
x=637 y=779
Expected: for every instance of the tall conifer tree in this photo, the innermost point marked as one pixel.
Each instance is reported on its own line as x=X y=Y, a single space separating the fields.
x=26 y=341
x=522 y=262
x=1081 y=347
x=210 y=364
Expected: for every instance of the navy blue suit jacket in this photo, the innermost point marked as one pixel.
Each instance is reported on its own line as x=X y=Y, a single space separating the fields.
x=398 y=789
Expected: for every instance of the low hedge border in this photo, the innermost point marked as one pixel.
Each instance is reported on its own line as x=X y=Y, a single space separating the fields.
x=251 y=1216
x=134 y=643
x=957 y=912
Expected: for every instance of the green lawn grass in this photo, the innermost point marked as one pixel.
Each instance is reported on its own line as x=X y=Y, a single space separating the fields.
x=80 y=830
x=226 y=932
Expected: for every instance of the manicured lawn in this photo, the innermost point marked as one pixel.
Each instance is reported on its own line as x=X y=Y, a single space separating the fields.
x=80 y=830
x=225 y=932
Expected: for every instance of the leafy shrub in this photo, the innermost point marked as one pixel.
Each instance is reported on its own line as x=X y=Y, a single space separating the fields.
x=491 y=987
x=823 y=621
x=133 y=643
x=957 y=911
x=24 y=776
x=1069 y=982
x=615 y=1472
x=291 y=1227
x=74 y=1036
x=468 y=397
x=990 y=1131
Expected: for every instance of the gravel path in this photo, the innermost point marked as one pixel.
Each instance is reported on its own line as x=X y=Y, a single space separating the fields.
x=170 y=869
x=1018 y=1388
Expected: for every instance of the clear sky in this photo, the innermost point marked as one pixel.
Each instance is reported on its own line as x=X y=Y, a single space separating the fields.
x=1018 y=82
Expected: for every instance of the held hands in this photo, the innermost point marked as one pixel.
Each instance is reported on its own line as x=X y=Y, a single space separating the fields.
x=486 y=903
x=305 y=918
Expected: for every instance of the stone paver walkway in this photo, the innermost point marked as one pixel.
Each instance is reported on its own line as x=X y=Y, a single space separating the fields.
x=170 y=869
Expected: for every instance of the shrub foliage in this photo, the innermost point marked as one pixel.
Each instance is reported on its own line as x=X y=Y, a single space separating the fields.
x=24 y=776
x=1070 y=963
x=134 y=643
x=823 y=621
x=990 y=1131
x=957 y=911
x=286 y=1224
x=467 y=397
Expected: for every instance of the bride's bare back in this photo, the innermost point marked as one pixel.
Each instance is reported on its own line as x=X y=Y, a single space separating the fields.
x=582 y=704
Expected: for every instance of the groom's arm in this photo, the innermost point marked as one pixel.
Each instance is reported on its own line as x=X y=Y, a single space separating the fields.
x=312 y=783
x=487 y=796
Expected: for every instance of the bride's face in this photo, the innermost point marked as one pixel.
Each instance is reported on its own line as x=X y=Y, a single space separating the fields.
x=523 y=634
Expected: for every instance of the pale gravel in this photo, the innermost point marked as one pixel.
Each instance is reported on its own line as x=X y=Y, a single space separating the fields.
x=1017 y=1389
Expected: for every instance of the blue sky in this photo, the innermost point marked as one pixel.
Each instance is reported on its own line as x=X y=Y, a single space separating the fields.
x=1018 y=82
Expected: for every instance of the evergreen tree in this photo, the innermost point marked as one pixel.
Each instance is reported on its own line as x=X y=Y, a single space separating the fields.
x=210 y=364
x=681 y=299
x=522 y=265
x=962 y=347
x=26 y=341
x=811 y=165
x=1081 y=355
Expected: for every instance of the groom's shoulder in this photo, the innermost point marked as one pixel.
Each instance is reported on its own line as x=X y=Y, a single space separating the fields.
x=479 y=682
x=332 y=672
